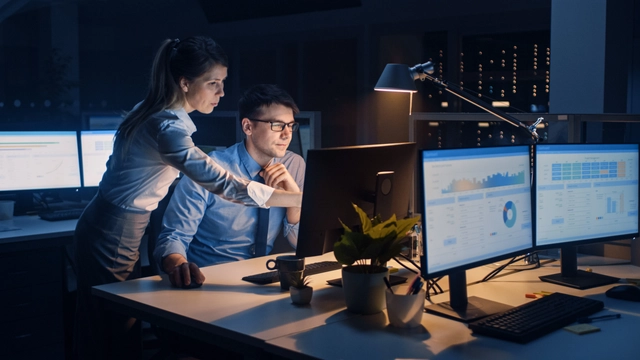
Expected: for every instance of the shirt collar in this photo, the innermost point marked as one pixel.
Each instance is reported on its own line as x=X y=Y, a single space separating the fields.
x=252 y=167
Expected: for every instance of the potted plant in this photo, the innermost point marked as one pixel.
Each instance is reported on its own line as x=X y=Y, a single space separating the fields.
x=365 y=254
x=299 y=288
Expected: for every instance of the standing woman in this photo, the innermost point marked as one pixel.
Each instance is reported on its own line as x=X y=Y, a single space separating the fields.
x=152 y=145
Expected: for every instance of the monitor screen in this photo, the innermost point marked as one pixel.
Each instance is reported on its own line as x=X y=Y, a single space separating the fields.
x=476 y=206
x=584 y=193
x=97 y=146
x=377 y=178
x=34 y=160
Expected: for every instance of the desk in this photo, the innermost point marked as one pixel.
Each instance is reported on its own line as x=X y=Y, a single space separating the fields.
x=447 y=339
x=260 y=321
x=33 y=231
x=227 y=311
x=32 y=287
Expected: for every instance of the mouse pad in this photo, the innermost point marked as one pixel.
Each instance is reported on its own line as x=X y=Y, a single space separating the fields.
x=393 y=280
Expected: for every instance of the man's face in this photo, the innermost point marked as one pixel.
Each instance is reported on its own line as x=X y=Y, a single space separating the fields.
x=264 y=143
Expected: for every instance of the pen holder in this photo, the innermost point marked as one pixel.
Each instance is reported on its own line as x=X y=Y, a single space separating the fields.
x=403 y=310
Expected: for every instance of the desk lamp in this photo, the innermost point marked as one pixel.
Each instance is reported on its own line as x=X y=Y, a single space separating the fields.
x=400 y=78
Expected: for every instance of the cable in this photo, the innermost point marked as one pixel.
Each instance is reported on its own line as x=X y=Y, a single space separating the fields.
x=41 y=199
x=497 y=270
x=432 y=284
x=405 y=266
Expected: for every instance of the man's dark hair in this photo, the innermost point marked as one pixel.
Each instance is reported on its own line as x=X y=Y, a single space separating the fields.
x=251 y=103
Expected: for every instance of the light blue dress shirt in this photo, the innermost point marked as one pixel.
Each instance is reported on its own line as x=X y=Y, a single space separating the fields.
x=207 y=230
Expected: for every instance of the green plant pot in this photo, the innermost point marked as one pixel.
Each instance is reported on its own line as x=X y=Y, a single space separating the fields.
x=364 y=292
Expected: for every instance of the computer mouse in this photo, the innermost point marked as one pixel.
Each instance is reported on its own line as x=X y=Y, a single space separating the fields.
x=624 y=292
x=193 y=284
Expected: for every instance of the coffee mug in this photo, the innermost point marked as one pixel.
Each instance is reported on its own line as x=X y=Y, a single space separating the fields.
x=286 y=265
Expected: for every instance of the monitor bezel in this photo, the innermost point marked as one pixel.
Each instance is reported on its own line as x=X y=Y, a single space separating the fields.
x=470 y=265
x=81 y=152
x=579 y=242
x=18 y=191
x=309 y=236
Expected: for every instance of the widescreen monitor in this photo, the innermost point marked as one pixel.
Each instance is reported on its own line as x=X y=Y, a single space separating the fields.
x=584 y=193
x=39 y=160
x=377 y=178
x=97 y=146
x=476 y=209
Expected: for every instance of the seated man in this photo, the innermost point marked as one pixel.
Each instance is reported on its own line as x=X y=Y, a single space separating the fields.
x=201 y=229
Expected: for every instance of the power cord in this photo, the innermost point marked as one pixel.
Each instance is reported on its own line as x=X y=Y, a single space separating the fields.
x=496 y=271
x=432 y=284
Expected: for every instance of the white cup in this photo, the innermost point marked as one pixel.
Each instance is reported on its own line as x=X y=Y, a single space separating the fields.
x=405 y=311
x=6 y=209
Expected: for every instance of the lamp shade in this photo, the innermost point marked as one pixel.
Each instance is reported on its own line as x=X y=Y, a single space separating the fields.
x=396 y=77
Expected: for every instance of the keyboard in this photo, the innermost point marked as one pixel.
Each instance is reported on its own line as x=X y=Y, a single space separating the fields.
x=61 y=214
x=536 y=318
x=309 y=269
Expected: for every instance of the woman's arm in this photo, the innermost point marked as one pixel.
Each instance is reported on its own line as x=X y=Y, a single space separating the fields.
x=281 y=198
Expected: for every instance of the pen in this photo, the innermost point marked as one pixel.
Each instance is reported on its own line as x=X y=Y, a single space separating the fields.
x=586 y=320
x=386 y=281
x=417 y=287
x=412 y=284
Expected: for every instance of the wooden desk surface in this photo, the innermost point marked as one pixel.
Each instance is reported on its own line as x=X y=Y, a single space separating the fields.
x=226 y=305
x=439 y=337
x=261 y=316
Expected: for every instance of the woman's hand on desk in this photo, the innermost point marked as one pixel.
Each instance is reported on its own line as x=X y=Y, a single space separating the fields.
x=182 y=273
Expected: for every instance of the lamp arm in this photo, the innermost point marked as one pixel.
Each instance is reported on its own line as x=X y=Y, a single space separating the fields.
x=482 y=105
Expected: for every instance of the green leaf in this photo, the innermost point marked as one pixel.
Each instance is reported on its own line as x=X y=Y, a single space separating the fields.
x=364 y=219
x=404 y=225
x=378 y=242
x=350 y=247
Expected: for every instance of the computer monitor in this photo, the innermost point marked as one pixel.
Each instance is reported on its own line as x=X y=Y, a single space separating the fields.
x=369 y=176
x=584 y=193
x=97 y=146
x=476 y=209
x=39 y=160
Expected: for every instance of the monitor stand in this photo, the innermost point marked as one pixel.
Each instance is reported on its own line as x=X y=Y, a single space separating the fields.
x=463 y=308
x=572 y=277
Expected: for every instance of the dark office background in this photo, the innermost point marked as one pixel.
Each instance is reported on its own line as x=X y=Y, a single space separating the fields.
x=62 y=60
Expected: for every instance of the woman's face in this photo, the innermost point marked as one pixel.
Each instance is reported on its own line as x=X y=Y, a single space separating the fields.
x=204 y=93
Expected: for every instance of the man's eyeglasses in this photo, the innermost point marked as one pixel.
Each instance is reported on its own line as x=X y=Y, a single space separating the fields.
x=279 y=126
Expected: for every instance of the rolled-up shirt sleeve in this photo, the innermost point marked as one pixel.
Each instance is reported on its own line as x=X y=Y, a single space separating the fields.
x=178 y=150
x=296 y=167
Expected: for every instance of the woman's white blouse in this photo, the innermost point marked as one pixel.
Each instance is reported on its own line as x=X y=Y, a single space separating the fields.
x=160 y=150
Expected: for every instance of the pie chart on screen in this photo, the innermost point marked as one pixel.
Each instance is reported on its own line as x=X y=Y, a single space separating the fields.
x=509 y=214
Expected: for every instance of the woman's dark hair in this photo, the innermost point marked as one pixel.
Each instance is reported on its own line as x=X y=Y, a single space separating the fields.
x=251 y=103
x=188 y=58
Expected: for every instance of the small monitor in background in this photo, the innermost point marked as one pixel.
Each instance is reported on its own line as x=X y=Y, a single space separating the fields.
x=97 y=146
x=584 y=193
x=337 y=177
x=102 y=120
x=39 y=160
x=218 y=129
x=476 y=209
x=296 y=145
